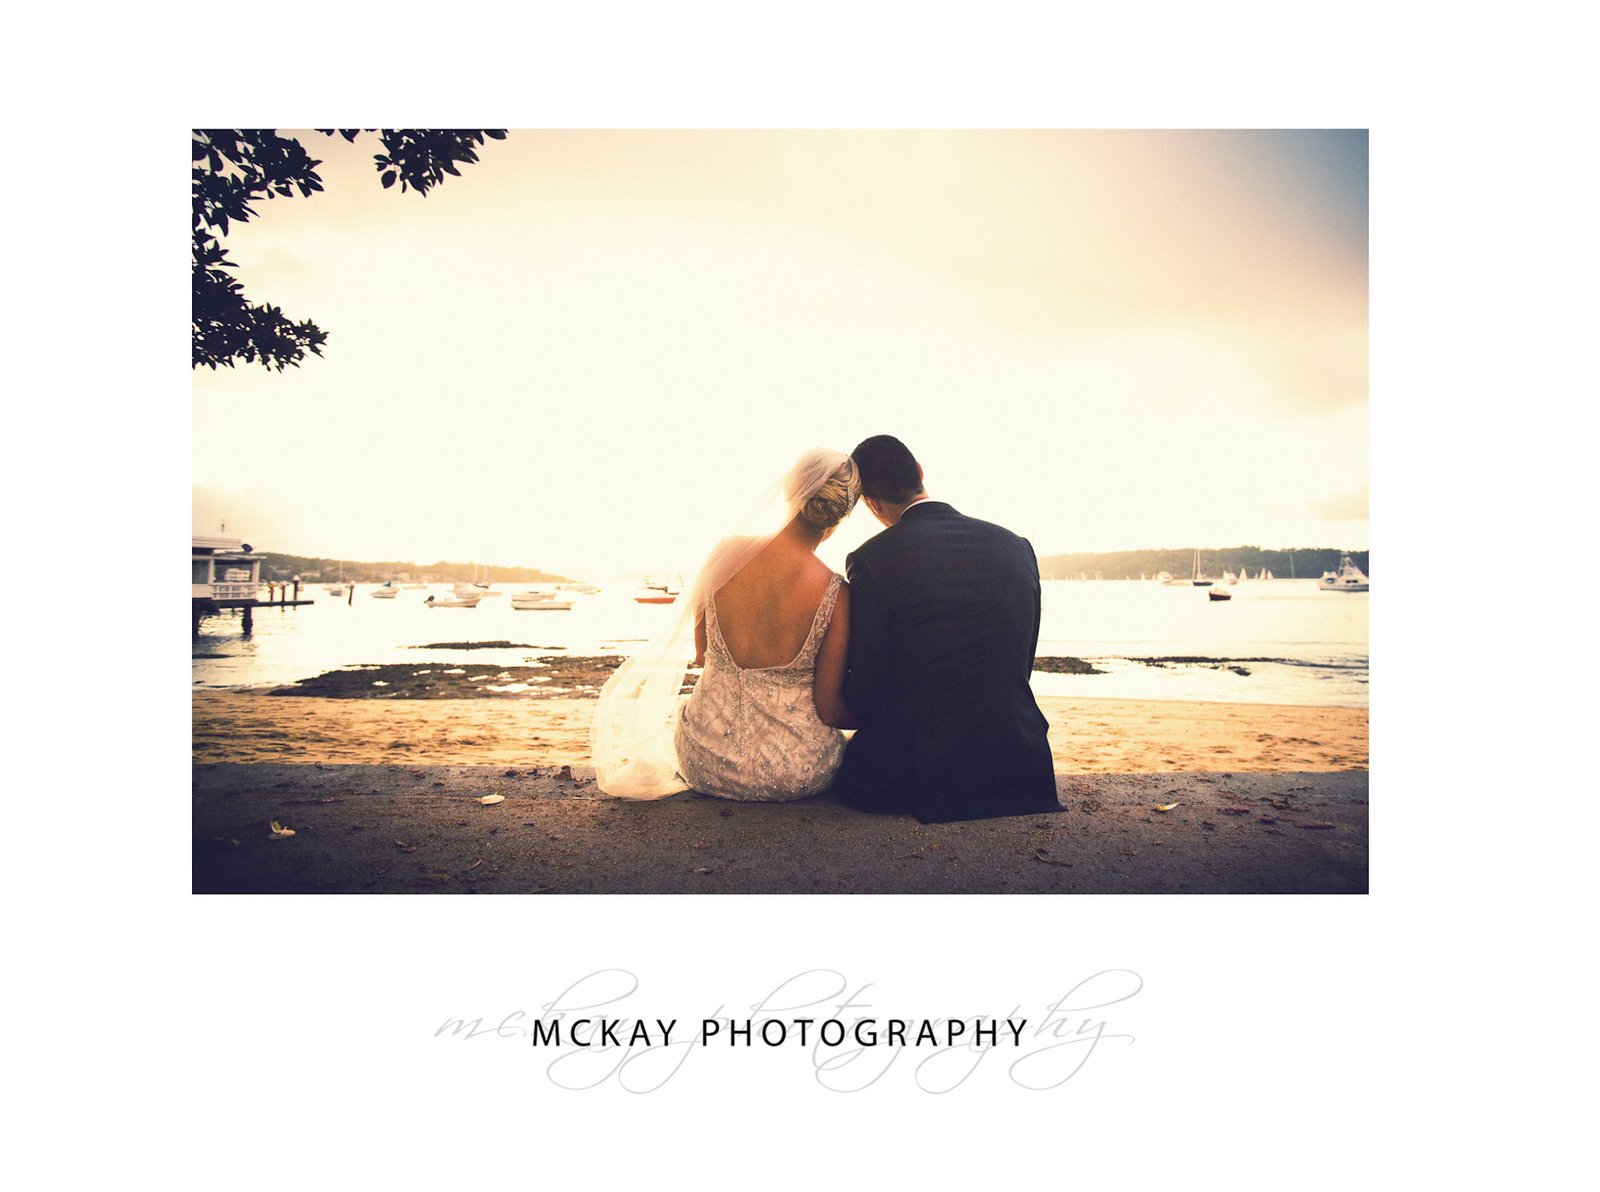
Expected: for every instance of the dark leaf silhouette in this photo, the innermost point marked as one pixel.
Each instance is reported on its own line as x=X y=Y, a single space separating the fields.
x=233 y=168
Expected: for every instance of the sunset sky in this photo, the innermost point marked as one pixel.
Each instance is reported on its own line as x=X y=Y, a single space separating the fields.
x=588 y=351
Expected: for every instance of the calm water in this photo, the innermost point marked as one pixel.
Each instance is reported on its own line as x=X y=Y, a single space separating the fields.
x=1322 y=636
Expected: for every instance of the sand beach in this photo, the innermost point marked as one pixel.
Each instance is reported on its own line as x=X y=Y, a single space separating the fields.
x=383 y=797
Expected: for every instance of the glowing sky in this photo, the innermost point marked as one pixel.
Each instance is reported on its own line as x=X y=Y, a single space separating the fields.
x=589 y=350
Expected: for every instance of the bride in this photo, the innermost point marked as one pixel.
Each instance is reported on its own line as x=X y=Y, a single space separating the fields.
x=768 y=620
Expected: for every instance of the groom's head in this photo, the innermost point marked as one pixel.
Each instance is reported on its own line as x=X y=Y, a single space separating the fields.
x=891 y=477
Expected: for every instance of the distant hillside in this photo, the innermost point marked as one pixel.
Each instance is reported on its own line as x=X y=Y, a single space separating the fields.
x=1299 y=561
x=280 y=565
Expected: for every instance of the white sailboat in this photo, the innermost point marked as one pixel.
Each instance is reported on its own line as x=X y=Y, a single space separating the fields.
x=1349 y=578
x=1199 y=581
x=1265 y=573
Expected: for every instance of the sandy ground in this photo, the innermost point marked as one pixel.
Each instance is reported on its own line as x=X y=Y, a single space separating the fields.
x=382 y=797
x=422 y=829
x=1087 y=735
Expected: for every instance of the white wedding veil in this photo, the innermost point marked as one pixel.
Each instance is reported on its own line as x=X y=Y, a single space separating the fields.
x=635 y=756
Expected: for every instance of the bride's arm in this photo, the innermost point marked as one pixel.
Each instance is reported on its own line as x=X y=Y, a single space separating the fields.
x=827 y=684
x=699 y=640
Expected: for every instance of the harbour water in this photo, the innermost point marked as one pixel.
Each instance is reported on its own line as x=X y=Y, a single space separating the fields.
x=1275 y=642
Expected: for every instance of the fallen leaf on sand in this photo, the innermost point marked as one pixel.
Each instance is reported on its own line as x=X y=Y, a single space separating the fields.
x=490 y=800
x=703 y=869
x=279 y=831
x=406 y=848
x=1166 y=807
x=1040 y=855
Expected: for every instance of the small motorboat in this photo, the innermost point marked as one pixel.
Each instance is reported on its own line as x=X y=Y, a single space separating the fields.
x=452 y=602
x=581 y=589
x=1349 y=578
x=531 y=601
x=1220 y=594
x=385 y=591
x=656 y=594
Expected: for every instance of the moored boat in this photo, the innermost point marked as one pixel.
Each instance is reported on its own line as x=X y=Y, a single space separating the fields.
x=532 y=601
x=1219 y=594
x=1349 y=578
x=656 y=594
x=452 y=602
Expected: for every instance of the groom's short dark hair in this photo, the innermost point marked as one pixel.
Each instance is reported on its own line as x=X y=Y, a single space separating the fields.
x=888 y=470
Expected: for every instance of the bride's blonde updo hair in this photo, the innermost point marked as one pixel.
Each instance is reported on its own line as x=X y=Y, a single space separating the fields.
x=834 y=484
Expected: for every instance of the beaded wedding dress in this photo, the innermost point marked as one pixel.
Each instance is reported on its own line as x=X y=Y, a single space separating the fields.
x=753 y=733
x=747 y=734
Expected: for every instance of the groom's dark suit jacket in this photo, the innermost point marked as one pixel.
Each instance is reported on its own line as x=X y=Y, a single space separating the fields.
x=944 y=618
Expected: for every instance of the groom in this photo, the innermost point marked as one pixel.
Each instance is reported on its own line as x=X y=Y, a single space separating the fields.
x=944 y=618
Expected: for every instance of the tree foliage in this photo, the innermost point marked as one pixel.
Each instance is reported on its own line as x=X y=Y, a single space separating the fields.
x=233 y=169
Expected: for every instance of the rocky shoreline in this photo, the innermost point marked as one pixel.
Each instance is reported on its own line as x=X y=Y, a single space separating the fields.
x=567 y=676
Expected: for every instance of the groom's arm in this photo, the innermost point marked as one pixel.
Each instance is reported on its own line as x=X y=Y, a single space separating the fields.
x=1038 y=608
x=864 y=654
